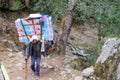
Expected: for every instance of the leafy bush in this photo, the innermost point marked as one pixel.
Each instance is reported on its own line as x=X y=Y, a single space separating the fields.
x=104 y=12
x=94 y=53
x=56 y=8
x=17 y=5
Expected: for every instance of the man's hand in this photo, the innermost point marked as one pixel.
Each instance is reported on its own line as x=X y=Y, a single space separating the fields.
x=41 y=40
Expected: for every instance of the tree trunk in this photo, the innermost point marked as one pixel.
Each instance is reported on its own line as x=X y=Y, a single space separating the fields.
x=66 y=24
x=66 y=28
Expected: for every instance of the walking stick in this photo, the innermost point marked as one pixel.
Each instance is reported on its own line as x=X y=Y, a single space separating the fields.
x=25 y=54
x=25 y=69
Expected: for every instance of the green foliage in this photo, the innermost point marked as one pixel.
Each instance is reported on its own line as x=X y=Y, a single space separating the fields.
x=17 y=5
x=56 y=8
x=94 y=53
x=104 y=12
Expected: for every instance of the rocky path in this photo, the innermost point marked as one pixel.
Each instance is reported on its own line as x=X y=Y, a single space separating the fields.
x=52 y=67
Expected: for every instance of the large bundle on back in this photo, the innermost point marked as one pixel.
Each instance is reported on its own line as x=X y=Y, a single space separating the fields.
x=47 y=28
x=34 y=25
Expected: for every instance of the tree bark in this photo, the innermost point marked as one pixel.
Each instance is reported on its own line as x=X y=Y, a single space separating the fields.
x=66 y=24
x=66 y=29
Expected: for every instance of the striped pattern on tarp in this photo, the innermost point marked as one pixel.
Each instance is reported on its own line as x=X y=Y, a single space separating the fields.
x=30 y=27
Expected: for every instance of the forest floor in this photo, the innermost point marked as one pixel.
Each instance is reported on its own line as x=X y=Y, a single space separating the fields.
x=52 y=67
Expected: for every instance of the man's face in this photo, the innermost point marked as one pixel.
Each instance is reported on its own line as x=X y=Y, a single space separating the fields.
x=34 y=41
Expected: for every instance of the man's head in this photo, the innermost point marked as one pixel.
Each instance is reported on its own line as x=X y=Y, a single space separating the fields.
x=34 y=41
x=34 y=38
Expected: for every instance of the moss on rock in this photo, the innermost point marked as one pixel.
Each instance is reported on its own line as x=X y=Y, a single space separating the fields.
x=107 y=70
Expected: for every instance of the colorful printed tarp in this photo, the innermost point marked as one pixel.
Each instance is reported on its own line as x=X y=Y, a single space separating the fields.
x=26 y=28
x=47 y=29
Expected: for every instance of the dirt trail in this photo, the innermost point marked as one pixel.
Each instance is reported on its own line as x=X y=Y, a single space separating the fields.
x=51 y=67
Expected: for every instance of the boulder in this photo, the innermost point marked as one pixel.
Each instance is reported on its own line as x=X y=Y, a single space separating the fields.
x=107 y=64
x=118 y=72
x=46 y=66
x=110 y=48
x=87 y=72
x=74 y=61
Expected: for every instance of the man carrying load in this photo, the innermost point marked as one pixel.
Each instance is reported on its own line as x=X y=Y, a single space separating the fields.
x=34 y=30
x=34 y=51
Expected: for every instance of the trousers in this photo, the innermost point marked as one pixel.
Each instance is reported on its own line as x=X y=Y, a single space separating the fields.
x=35 y=65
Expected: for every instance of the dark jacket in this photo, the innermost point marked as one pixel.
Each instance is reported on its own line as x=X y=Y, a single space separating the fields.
x=38 y=48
